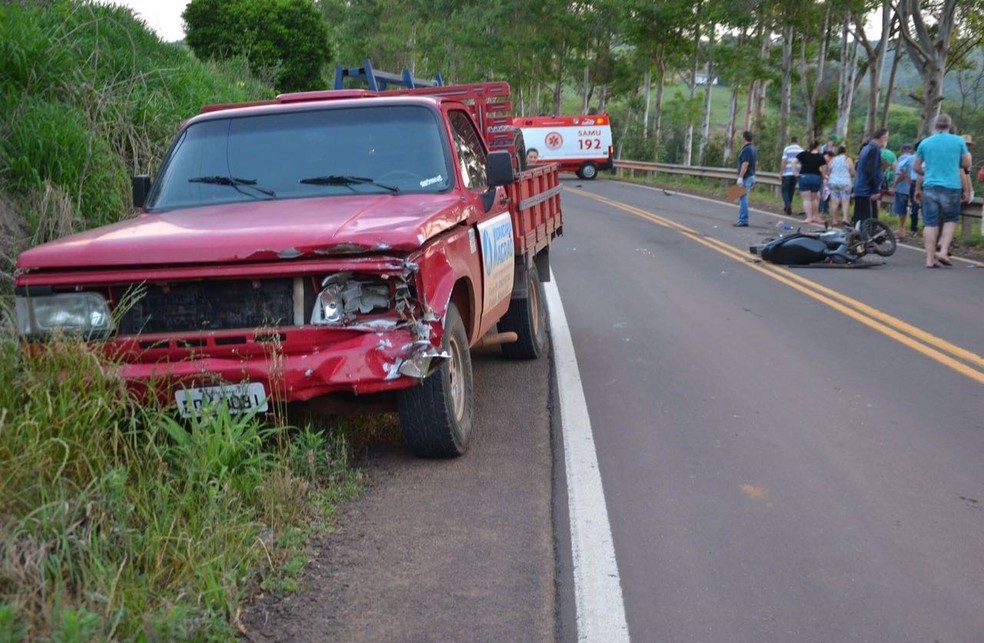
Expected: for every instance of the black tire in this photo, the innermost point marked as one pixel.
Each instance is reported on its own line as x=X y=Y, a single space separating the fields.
x=436 y=415
x=527 y=317
x=588 y=171
x=519 y=143
x=878 y=237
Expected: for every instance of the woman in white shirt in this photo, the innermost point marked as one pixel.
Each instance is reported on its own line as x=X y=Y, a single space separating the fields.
x=840 y=180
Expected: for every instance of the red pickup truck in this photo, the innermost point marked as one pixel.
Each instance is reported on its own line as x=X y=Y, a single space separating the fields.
x=322 y=243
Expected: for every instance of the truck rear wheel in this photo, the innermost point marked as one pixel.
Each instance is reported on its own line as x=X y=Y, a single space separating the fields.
x=436 y=415
x=527 y=317
x=588 y=171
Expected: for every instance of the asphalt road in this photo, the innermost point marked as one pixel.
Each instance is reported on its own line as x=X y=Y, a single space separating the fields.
x=780 y=463
x=786 y=455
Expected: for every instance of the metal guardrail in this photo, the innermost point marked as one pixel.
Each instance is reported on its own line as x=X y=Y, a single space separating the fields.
x=971 y=211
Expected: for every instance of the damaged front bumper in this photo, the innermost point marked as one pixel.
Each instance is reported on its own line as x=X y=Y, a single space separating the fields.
x=295 y=366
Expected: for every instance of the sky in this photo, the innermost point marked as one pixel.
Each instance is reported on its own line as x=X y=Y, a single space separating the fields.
x=163 y=16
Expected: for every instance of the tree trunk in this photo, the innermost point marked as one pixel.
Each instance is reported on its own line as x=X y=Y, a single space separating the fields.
x=558 y=88
x=688 y=137
x=729 y=134
x=928 y=47
x=658 y=118
x=761 y=85
x=786 y=91
x=705 y=128
x=647 y=83
x=848 y=83
x=896 y=59
x=876 y=61
x=807 y=97
x=587 y=93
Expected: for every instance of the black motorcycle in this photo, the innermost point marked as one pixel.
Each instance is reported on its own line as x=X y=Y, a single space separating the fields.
x=841 y=246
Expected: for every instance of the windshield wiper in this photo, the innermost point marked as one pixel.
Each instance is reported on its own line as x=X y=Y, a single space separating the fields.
x=348 y=181
x=233 y=181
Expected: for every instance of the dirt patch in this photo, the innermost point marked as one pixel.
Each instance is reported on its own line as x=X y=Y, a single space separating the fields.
x=440 y=550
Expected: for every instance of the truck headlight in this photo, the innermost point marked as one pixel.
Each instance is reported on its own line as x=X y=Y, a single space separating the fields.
x=83 y=313
x=342 y=298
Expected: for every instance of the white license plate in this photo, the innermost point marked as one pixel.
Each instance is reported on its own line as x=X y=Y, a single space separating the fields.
x=241 y=398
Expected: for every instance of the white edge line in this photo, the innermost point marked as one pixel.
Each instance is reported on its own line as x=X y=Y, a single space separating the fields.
x=597 y=586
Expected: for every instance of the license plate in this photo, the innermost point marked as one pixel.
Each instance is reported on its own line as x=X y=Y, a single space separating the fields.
x=241 y=398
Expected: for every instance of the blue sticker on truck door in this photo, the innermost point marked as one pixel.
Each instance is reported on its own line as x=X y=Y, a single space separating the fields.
x=498 y=267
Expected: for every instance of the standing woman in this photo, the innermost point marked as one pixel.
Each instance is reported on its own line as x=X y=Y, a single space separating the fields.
x=812 y=164
x=840 y=179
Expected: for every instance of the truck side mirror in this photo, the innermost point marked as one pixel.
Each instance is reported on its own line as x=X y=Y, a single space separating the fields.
x=499 y=168
x=141 y=187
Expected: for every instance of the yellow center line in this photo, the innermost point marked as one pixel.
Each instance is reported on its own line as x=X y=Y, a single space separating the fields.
x=959 y=359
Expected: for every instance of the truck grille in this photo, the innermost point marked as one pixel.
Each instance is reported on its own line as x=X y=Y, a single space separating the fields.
x=210 y=305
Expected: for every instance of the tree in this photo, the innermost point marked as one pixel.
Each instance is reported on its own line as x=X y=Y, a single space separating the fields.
x=876 y=60
x=656 y=29
x=934 y=47
x=286 y=40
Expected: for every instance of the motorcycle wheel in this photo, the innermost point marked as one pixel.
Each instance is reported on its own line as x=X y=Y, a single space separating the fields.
x=878 y=237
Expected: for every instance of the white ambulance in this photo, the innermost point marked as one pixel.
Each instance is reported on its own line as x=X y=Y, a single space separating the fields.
x=580 y=144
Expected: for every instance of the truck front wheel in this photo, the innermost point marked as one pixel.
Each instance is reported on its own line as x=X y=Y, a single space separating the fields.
x=588 y=171
x=436 y=415
x=527 y=317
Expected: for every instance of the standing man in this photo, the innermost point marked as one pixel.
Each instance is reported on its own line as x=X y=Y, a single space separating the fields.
x=747 y=159
x=868 y=177
x=789 y=170
x=902 y=187
x=941 y=160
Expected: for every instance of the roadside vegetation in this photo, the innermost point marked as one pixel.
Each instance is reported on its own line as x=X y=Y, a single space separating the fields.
x=118 y=521
x=90 y=97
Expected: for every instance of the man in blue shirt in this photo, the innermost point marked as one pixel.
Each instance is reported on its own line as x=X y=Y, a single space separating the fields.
x=941 y=160
x=901 y=186
x=747 y=159
x=868 y=177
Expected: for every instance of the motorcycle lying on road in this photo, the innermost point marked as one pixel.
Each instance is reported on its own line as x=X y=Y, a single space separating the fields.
x=838 y=246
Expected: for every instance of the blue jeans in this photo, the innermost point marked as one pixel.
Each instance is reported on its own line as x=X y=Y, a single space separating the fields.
x=743 y=201
x=941 y=205
x=914 y=223
x=788 y=190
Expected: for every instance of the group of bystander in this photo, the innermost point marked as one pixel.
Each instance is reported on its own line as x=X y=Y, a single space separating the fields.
x=932 y=175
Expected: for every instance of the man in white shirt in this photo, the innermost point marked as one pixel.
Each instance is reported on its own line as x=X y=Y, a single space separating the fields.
x=789 y=169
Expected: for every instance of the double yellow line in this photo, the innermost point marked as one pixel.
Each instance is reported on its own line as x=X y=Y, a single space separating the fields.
x=961 y=360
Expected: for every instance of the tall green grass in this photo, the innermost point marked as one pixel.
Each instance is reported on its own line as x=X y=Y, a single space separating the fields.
x=118 y=521
x=89 y=97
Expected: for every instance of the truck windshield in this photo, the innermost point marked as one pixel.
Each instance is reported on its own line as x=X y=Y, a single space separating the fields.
x=320 y=152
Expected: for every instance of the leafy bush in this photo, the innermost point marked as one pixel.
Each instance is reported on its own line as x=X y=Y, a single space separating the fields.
x=285 y=40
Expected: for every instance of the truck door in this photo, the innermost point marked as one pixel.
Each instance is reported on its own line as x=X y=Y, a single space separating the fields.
x=493 y=229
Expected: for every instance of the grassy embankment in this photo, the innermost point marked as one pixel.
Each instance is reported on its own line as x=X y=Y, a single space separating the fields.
x=116 y=521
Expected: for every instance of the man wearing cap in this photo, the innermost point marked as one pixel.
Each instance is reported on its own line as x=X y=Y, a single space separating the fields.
x=902 y=186
x=941 y=160
x=833 y=141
